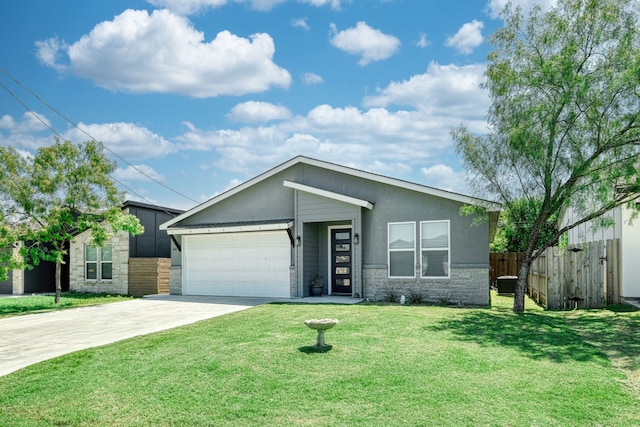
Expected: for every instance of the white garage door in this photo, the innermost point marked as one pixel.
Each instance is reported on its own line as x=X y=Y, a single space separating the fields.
x=237 y=264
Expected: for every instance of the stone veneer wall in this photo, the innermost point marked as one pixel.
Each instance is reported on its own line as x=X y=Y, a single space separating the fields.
x=467 y=285
x=120 y=282
x=293 y=283
x=175 y=280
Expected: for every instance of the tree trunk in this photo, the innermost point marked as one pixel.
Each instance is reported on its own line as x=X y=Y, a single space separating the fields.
x=58 y=281
x=523 y=274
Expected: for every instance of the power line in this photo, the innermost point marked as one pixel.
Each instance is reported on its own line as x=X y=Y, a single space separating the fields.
x=55 y=132
x=75 y=125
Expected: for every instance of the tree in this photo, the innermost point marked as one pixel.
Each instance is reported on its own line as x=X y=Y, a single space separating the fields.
x=62 y=190
x=515 y=223
x=564 y=120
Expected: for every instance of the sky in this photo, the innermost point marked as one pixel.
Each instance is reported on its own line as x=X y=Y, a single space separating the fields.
x=193 y=97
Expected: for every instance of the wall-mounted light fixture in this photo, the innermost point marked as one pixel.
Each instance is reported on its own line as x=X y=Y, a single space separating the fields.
x=356 y=239
x=298 y=240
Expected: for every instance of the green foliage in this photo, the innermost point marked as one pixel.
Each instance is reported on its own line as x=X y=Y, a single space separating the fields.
x=565 y=115
x=391 y=294
x=415 y=297
x=516 y=225
x=64 y=189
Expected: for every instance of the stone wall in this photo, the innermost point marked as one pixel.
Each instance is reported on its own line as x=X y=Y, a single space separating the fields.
x=467 y=286
x=175 y=280
x=120 y=282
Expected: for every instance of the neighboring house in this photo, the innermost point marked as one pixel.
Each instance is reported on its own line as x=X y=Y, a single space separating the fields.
x=35 y=280
x=628 y=231
x=365 y=234
x=126 y=264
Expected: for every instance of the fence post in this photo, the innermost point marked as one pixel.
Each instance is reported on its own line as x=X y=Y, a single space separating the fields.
x=613 y=266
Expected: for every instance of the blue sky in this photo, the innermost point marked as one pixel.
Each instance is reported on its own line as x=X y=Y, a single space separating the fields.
x=201 y=95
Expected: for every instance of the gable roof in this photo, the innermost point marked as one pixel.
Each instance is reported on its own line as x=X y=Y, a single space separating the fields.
x=491 y=206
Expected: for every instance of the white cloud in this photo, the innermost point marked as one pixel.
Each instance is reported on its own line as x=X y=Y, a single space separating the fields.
x=190 y=7
x=48 y=52
x=258 y=112
x=163 y=53
x=444 y=89
x=335 y=4
x=27 y=133
x=370 y=44
x=444 y=177
x=137 y=173
x=125 y=139
x=300 y=23
x=468 y=37
x=422 y=41
x=311 y=79
x=496 y=6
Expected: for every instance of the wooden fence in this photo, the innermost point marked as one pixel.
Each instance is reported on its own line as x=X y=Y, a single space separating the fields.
x=503 y=264
x=149 y=276
x=579 y=276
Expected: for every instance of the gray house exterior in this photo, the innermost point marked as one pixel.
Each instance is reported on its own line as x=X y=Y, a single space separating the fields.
x=365 y=234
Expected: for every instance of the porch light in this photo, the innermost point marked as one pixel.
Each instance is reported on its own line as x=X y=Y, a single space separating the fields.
x=298 y=240
x=356 y=239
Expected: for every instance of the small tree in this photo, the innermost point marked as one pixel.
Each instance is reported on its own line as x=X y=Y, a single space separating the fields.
x=565 y=116
x=63 y=190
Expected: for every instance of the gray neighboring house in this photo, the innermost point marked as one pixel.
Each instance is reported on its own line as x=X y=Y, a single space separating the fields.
x=126 y=264
x=365 y=234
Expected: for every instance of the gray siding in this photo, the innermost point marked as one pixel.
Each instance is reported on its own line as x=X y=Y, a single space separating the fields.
x=269 y=199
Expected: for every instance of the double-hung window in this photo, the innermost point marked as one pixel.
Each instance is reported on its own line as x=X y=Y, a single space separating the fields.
x=98 y=262
x=401 y=247
x=434 y=248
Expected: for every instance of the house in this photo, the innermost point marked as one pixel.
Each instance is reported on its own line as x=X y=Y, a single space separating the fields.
x=126 y=264
x=364 y=234
x=624 y=228
x=38 y=279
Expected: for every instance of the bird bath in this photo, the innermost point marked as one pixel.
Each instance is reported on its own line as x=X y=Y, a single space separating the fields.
x=321 y=325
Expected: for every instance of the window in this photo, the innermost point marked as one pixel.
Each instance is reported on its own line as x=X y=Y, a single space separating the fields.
x=402 y=249
x=434 y=248
x=98 y=262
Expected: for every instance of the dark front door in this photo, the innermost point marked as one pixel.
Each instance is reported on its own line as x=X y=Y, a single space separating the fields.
x=341 y=261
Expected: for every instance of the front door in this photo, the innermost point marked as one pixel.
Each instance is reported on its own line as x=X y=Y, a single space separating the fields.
x=341 y=261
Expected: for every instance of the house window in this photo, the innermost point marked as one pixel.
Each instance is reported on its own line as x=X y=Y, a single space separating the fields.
x=98 y=262
x=402 y=249
x=434 y=248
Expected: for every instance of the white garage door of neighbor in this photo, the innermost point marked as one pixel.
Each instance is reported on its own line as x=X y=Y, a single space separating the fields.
x=237 y=264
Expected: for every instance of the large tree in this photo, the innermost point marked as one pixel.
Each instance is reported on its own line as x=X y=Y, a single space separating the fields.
x=515 y=223
x=62 y=190
x=564 y=123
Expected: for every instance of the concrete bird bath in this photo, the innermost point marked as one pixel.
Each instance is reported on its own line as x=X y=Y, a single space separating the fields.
x=321 y=325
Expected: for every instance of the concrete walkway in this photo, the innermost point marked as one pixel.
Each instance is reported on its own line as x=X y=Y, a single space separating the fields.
x=28 y=339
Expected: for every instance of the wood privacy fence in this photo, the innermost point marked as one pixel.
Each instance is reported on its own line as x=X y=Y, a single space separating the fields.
x=503 y=264
x=149 y=276
x=581 y=276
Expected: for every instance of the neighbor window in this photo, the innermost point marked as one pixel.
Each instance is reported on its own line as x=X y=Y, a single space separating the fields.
x=98 y=262
x=402 y=249
x=434 y=248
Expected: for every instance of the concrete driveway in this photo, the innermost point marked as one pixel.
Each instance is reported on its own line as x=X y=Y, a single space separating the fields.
x=25 y=340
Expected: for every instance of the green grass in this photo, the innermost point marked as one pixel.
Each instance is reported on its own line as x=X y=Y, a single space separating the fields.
x=34 y=304
x=388 y=365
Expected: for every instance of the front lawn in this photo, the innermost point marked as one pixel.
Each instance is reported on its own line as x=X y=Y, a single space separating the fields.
x=12 y=306
x=388 y=365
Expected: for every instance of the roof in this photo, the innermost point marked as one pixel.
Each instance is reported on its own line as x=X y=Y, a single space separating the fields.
x=135 y=204
x=491 y=206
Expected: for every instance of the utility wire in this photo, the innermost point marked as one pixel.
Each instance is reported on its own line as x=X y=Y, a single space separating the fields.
x=45 y=124
x=81 y=130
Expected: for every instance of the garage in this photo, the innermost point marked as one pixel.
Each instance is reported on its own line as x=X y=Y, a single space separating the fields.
x=252 y=263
